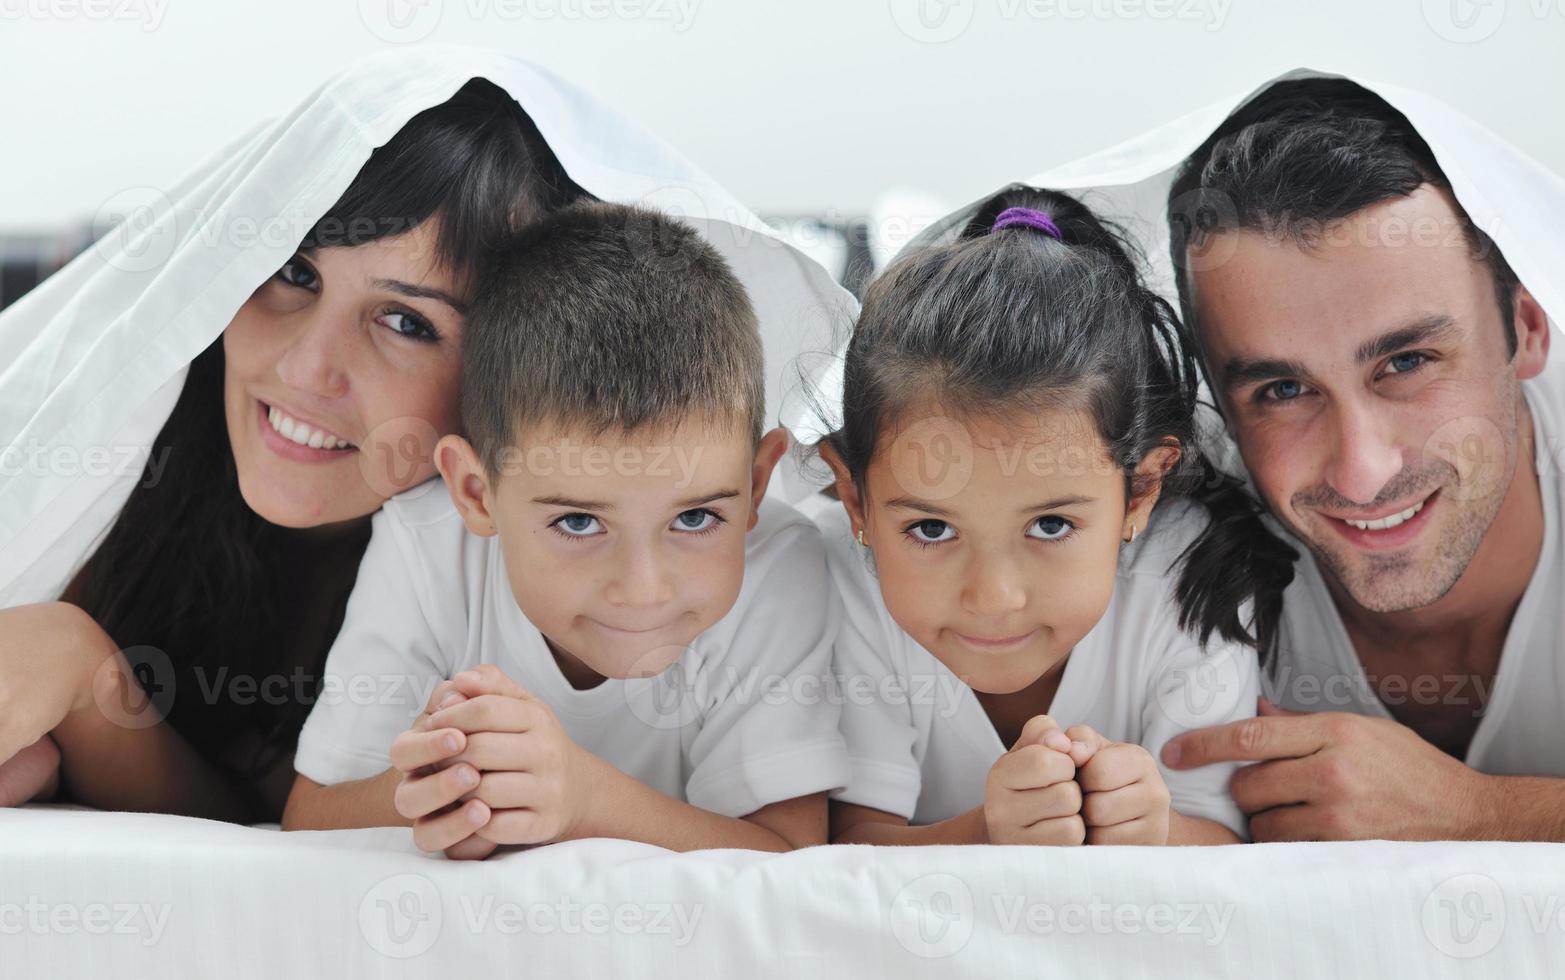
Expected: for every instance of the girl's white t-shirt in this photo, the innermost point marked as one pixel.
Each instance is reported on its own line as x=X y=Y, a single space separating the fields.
x=743 y=719
x=920 y=743
x=1523 y=724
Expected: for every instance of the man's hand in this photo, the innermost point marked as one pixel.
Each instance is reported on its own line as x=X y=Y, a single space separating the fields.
x=534 y=781
x=1338 y=776
x=1124 y=798
x=1032 y=796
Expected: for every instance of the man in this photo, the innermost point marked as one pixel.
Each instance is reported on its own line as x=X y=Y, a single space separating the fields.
x=1383 y=374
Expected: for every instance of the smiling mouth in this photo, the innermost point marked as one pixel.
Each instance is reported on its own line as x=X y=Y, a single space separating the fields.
x=294 y=432
x=1386 y=523
x=996 y=643
x=1393 y=530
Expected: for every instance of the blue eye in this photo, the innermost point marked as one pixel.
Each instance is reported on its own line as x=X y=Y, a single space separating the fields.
x=930 y=532
x=576 y=525
x=409 y=325
x=696 y=521
x=297 y=272
x=1282 y=391
x=1405 y=362
x=1050 y=528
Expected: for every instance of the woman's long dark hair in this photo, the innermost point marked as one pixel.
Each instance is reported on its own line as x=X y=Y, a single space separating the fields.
x=993 y=322
x=188 y=569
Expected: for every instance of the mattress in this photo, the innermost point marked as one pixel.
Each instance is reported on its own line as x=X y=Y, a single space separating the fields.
x=85 y=893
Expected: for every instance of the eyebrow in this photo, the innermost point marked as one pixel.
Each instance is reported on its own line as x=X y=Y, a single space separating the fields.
x=558 y=501
x=913 y=503
x=1241 y=370
x=413 y=291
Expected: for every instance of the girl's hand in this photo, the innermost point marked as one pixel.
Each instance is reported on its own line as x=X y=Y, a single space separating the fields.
x=31 y=774
x=1032 y=796
x=50 y=658
x=534 y=781
x=1124 y=798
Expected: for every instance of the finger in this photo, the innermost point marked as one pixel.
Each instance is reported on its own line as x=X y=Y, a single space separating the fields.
x=1033 y=767
x=1264 y=785
x=1059 y=832
x=487 y=713
x=413 y=750
x=1042 y=730
x=1063 y=799
x=1290 y=823
x=33 y=773
x=517 y=827
x=508 y=790
x=444 y=694
x=1136 y=831
x=1247 y=740
x=1266 y=709
x=1085 y=743
x=418 y=797
x=444 y=830
x=1116 y=765
x=1119 y=805
x=474 y=848
x=502 y=751
x=488 y=679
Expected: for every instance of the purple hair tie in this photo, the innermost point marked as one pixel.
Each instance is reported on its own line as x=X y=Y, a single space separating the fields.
x=1029 y=217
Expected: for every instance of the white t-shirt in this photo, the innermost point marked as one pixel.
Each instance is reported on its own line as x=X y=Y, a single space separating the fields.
x=1522 y=731
x=742 y=720
x=921 y=744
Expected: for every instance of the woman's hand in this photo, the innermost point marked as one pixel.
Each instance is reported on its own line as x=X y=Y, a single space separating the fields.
x=50 y=655
x=31 y=774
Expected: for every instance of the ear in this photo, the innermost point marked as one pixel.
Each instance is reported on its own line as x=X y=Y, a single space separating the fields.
x=466 y=481
x=767 y=454
x=847 y=490
x=1532 y=335
x=1154 y=466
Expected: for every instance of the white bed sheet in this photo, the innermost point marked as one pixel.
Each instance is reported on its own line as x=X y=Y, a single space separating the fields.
x=84 y=893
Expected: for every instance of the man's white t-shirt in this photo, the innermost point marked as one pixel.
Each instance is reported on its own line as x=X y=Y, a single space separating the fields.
x=743 y=719
x=1522 y=731
x=921 y=744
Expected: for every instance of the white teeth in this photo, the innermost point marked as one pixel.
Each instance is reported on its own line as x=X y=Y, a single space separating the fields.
x=1385 y=523
x=305 y=435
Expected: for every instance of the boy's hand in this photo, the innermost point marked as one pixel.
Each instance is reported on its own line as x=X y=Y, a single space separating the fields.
x=434 y=788
x=1124 y=798
x=533 y=779
x=1032 y=796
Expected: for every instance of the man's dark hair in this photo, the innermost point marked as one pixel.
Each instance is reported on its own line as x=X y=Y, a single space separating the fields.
x=1301 y=154
x=608 y=317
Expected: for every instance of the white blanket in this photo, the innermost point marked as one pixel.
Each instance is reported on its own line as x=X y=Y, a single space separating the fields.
x=88 y=894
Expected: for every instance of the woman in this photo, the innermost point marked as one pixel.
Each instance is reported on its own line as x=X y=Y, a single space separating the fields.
x=216 y=590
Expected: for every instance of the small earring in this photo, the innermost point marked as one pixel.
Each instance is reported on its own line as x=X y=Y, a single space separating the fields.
x=1132 y=534
x=861 y=539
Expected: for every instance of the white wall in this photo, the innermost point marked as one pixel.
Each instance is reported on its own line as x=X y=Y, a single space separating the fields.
x=798 y=105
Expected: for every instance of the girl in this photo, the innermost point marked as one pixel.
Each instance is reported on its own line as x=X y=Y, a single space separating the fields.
x=1016 y=403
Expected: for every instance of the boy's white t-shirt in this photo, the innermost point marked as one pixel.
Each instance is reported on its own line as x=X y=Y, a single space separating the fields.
x=920 y=743
x=1523 y=725
x=743 y=719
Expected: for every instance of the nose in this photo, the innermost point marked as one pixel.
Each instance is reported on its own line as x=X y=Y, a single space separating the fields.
x=642 y=579
x=315 y=360
x=1365 y=456
x=993 y=586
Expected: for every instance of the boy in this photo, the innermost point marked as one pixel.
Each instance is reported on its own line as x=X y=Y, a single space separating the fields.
x=637 y=643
